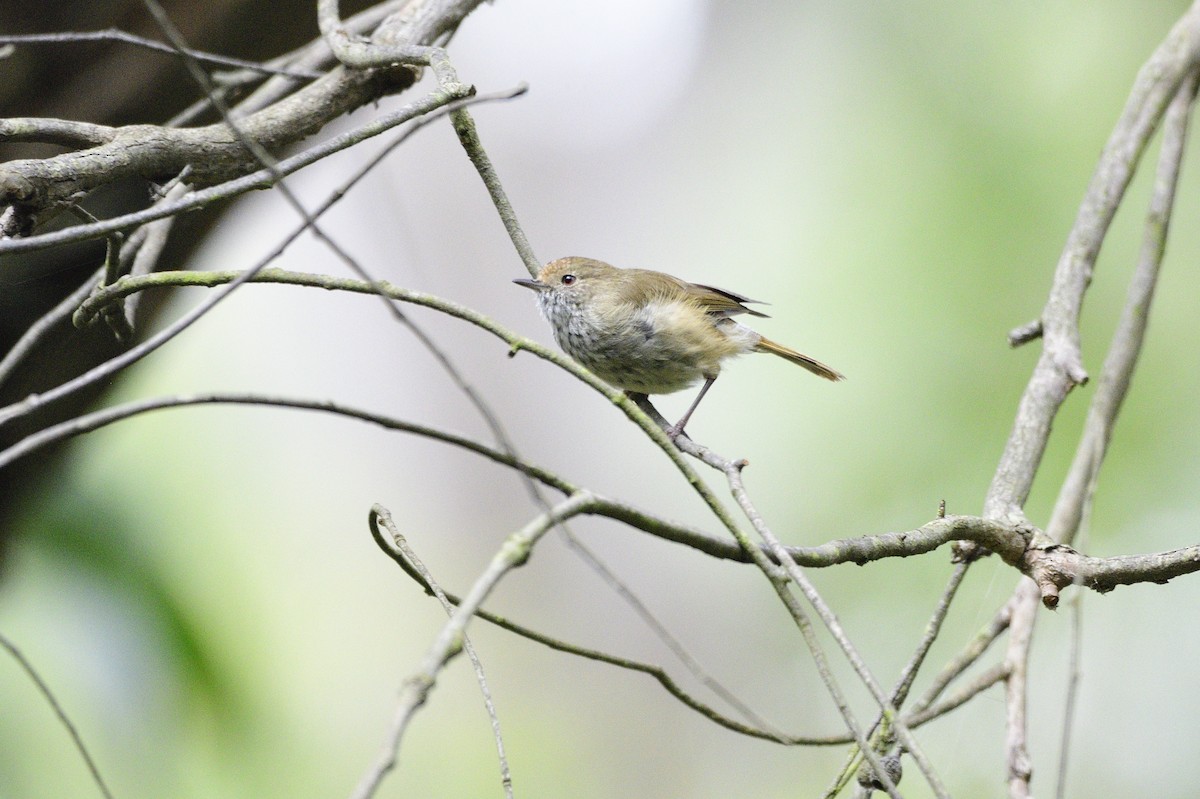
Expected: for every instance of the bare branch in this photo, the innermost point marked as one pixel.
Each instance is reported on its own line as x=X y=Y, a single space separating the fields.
x=964 y=659
x=260 y=179
x=39 y=329
x=904 y=683
x=1060 y=366
x=1127 y=340
x=415 y=690
x=66 y=132
x=116 y=35
x=399 y=549
x=216 y=153
x=657 y=672
x=733 y=474
x=981 y=683
x=46 y=693
x=464 y=126
x=1016 y=696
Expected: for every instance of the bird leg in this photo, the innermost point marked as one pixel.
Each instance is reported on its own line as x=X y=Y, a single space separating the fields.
x=676 y=430
x=643 y=402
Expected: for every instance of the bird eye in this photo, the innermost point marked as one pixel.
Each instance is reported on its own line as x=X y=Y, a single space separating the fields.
x=568 y=280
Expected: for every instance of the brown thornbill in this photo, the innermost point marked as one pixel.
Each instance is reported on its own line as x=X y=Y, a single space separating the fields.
x=648 y=332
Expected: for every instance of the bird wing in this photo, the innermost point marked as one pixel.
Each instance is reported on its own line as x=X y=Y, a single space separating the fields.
x=720 y=302
x=641 y=285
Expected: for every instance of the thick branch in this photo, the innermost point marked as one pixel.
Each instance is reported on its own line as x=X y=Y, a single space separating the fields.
x=1059 y=566
x=66 y=132
x=1122 y=358
x=214 y=152
x=1060 y=367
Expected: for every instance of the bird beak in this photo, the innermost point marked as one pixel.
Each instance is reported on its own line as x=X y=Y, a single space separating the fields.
x=536 y=285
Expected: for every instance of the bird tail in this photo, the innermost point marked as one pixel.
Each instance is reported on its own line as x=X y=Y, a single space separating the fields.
x=811 y=364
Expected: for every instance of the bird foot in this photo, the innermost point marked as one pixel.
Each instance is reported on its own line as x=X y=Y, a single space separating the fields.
x=675 y=431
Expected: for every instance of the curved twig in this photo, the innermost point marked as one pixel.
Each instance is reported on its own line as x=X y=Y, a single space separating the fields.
x=398 y=548
x=46 y=693
x=415 y=690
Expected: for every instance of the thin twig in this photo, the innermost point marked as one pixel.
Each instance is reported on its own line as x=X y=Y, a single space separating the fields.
x=38 y=330
x=116 y=35
x=602 y=506
x=986 y=679
x=734 y=475
x=45 y=691
x=398 y=547
x=468 y=136
x=660 y=631
x=1074 y=675
x=1075 y=497
x=932 y=627
x=908 y=674
x=970 y=653
x=152 y=243
x=415 y=690
x=425 y=106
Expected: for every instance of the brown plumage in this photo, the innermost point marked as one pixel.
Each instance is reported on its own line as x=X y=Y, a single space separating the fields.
x=649 y=332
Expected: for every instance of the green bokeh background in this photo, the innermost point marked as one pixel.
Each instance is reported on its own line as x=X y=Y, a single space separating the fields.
x=199 y=586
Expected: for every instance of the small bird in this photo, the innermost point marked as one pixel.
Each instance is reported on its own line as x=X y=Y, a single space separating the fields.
x=647 y=332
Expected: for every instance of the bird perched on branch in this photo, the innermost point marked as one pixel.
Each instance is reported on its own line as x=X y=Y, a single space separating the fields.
x=648 y=332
